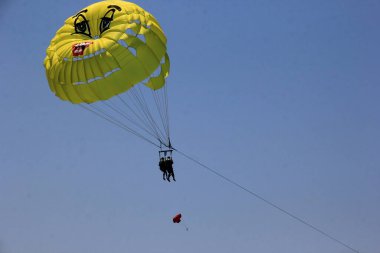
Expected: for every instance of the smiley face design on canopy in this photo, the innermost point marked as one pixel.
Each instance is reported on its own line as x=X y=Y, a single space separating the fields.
x=104 y=50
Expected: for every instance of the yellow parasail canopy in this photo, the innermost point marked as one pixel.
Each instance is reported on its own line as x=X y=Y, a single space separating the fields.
x=104 y=50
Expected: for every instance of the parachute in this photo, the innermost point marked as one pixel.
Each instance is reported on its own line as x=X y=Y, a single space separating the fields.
x=111 y=59
x=177 y=218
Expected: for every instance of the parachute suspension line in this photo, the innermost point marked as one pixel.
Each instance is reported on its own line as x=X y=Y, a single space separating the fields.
x=270 y=203
x=117 y=121
x=144 y=106
x=110 y=119
x=167 y=111
x=150 y=115
x=159 y=106
x=140 y=99
x=134 y=112
x=137 y=109
x=141 y=120
x=124 y=114
x=164 y=99
x=160 y=98
x=129 y=119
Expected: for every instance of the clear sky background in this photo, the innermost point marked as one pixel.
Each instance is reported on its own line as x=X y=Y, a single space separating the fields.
x=280 y=96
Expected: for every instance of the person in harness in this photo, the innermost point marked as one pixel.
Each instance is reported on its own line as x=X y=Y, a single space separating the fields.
x=166 y=164
x=162 y=166
x=169 y=168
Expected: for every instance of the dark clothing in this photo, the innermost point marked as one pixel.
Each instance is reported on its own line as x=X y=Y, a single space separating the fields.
x=166 y=167
x=169 y=169
x=163 y=168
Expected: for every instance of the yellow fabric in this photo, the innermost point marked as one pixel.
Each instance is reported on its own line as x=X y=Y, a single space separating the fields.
x=104 y=50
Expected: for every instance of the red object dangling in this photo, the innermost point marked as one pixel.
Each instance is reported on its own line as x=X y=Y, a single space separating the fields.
x=177 y=218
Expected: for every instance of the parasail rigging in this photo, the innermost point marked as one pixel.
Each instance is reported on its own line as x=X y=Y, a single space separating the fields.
x=111 y=59
x=140 y=111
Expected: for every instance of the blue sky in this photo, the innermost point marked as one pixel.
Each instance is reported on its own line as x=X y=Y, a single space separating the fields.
x=280 y=96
